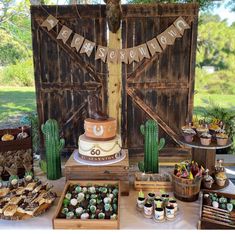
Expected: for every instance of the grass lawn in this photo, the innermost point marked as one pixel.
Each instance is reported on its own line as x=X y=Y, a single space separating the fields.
x=201 y=101
x=16 y=100
x=19 y=100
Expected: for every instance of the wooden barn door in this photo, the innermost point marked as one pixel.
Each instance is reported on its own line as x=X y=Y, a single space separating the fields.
x=63 y=77
x=162 y=87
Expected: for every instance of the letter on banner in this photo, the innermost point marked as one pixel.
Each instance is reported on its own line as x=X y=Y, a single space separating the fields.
x=133 y=55
x=87 y=47
x=162 y=39
x=181 y=25
x=101 y=53
x=112 y=56
x=64 y=34
x=50 y=22
x=143 y=51
x=154 y=46
x=122 y=56
x=77 y=41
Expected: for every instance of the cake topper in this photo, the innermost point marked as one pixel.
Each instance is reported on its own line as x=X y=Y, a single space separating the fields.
x=94 y=110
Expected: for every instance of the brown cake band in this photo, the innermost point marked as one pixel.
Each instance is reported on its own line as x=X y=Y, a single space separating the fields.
x=98 y=158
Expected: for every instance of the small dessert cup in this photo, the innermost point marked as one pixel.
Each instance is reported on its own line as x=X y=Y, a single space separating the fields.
x=158 y=202
x=173 y=202
x=148 y=209
x=141 y=202
x=170 y=212
x=159 y=214
x=205 y=139
x=222 y=139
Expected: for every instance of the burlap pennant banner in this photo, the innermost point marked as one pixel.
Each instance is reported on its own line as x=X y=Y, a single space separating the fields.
x=154 y=46
x=64 y=34
x=77 y=41
x=181 y=25
x=143 y=52
x=101 y=53
x=123 y=56
x=112 y=56
x=127 y=56
x=133 y=55
x=50 y=22
x=87 y=47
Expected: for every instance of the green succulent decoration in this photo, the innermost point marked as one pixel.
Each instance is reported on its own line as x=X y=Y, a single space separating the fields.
x=152 y=146
x=53 y=145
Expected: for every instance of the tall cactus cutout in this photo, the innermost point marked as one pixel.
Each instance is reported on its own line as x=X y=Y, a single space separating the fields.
x=151 y=146
x=53 y=145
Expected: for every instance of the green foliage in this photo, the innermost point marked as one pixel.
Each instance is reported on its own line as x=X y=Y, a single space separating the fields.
x=215 y=111
x=19 y=74
x=15 y=31
x=11 y=50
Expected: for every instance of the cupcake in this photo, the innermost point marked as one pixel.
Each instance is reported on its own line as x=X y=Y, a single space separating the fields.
x=205 y=138
x=188 y=134
x=207 y=180
x=221 y=139
x=202 y=129
x=220 y=178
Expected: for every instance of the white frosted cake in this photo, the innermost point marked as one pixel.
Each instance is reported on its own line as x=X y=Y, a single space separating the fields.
x=93 y=150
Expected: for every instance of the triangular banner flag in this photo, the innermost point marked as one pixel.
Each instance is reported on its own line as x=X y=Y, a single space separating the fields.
x=112 y=56
x=87 y=47
x=50 y=22
x=154 y=46
x=122 y=56
x=181 y=25
x=64 y=34
x=132 y=55
x=143 y=51
x=101 y=53
x=77 y=41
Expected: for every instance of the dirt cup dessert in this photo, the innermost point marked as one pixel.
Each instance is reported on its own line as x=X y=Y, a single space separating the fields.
x=220 y=178
x=205 y=138
x=188 y=134
x=221 y=139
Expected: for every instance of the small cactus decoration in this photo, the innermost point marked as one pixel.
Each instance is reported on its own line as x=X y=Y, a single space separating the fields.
x=54 y=145
x=151 y=147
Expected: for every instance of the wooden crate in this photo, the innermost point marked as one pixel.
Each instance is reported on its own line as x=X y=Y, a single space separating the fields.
x=152 y=185
x=59 y=223
x=210 y=223
x=117 y=171
x=16 y=147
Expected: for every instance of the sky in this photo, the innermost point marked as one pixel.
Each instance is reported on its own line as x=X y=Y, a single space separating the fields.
x=225 y=13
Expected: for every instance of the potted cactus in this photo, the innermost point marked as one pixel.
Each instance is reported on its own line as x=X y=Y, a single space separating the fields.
x=152 y=146
x=53 y=145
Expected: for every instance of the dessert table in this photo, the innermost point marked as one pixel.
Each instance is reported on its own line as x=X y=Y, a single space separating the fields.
x=130 y=218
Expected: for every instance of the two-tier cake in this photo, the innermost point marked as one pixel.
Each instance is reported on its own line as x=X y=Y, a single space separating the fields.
x=100 y=145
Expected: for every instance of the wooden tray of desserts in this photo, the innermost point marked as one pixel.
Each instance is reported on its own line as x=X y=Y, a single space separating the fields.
x=25 y=201
x=217 y=217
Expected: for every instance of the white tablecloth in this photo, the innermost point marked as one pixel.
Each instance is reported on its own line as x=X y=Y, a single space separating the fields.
x=187 y=218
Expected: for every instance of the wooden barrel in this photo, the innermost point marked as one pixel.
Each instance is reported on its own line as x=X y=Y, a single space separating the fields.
x=186 y=189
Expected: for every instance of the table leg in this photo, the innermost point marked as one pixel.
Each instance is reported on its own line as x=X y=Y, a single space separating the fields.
x=205 y=157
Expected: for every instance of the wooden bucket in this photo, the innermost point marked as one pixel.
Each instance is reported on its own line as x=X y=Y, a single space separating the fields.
x=185 y=189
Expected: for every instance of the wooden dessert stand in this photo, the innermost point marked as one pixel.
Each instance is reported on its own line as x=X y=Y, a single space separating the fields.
x=205 y=155
x=116 y=171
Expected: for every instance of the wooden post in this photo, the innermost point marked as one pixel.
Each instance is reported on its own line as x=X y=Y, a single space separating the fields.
x=115 y=81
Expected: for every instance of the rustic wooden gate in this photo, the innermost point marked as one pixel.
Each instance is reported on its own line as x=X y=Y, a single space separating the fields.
x=160 y=88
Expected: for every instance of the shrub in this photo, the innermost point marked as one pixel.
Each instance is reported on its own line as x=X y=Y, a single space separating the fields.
x=20 y=74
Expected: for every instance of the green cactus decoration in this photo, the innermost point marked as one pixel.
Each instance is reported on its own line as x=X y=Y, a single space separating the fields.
x=151 y=147
x=54 y=145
